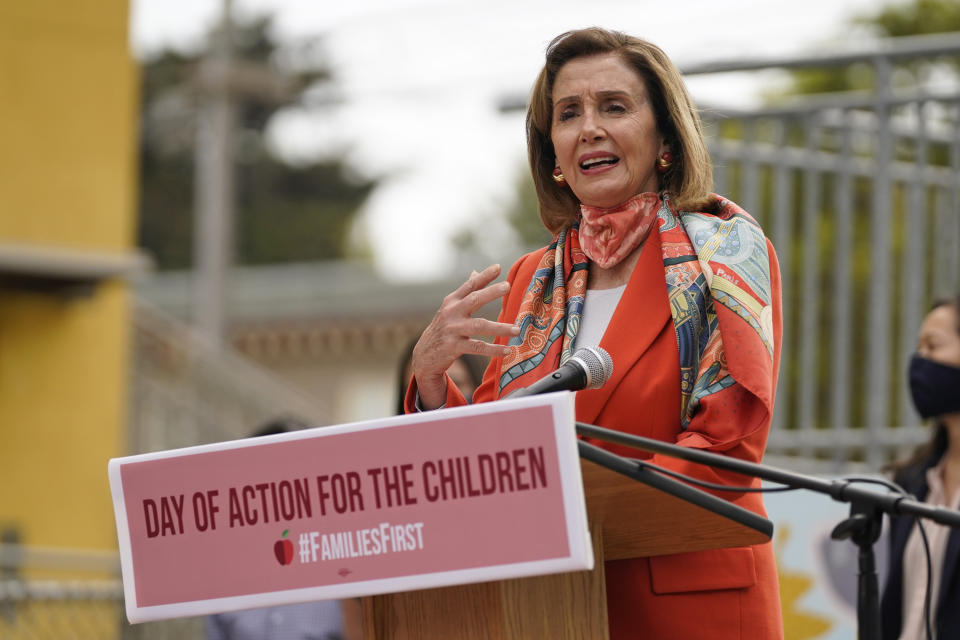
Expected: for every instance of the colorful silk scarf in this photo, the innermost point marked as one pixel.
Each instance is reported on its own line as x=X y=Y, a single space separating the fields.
x=711 y=261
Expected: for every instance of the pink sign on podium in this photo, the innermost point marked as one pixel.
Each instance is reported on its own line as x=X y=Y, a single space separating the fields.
x=454 y=496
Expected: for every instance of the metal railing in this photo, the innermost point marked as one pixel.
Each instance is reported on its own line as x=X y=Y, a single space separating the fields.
x=860 y=193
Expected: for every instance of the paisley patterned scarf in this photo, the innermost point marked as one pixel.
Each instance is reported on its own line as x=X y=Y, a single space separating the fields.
x=718 y=284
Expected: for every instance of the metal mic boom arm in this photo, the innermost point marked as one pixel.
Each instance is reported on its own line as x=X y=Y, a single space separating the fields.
x=840 y=490
x=647 y=474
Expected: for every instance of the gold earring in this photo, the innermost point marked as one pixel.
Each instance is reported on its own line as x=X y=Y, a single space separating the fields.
x=558 y=177
x=664 y=162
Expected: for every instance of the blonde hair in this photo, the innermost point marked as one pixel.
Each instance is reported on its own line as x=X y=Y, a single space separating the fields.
x=690 y=177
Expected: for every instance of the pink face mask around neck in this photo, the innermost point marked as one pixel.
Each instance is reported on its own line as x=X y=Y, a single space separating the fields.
x=607 y=236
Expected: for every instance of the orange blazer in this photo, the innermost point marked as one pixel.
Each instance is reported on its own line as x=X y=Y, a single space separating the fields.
x=719 y=594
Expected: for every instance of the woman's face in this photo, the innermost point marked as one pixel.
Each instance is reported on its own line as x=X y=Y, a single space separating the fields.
x=939 y=338
x=603 y=131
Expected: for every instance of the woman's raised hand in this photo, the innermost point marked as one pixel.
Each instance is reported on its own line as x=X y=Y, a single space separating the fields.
x=453 y=331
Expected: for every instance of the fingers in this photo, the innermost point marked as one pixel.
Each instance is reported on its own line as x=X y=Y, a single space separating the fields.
x=482 y=348
x=477 y=281
x=476 y=299
x=483 y=327
x=453 y=331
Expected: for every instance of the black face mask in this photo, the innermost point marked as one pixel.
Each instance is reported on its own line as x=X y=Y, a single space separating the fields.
x=935 y=387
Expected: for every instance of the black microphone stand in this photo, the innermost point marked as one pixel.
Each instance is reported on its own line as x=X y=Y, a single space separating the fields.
x=866 y=507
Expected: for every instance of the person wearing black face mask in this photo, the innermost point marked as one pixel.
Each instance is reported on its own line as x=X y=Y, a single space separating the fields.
x=932 y=474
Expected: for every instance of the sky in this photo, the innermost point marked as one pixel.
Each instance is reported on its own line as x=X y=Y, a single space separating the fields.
x=420 y=82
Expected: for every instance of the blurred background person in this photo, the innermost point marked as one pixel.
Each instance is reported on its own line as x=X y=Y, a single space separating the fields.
x=932 y=474
x=303 y=621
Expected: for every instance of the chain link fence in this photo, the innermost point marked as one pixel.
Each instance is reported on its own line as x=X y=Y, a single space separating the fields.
x=64 y=594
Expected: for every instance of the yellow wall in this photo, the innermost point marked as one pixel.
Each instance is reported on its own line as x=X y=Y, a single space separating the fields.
x=67 y=123
x=68 y=99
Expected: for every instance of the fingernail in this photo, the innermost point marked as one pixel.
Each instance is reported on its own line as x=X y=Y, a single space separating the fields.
x=514 y=330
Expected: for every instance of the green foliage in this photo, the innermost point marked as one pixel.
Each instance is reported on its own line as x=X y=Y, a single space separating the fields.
x=523 y=214
x=856 y=77
x=283 y=213
x=166 y=207
x=522 y=217
x=915 y=18
x=292 y=214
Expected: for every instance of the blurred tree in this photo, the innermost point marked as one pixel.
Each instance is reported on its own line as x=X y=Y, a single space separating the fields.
x=916 y=17
x=284 y=213
x=523 y=213
x=513 y=227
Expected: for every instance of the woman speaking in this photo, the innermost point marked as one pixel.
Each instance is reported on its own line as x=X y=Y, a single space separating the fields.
x=679 y=285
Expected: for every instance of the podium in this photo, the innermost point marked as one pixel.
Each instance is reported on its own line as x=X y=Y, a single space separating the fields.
x=407 y=506
x=628 y=519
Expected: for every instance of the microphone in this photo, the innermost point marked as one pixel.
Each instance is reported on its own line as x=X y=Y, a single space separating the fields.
x=588 y=368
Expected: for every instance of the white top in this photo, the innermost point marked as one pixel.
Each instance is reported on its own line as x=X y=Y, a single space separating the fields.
x=915 y=562
x=598 y=308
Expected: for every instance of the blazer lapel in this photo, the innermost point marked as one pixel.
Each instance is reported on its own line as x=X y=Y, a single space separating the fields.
x=636 y=322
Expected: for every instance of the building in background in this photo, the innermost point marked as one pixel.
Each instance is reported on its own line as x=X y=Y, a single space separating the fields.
x=332 y=331
x=67 y=194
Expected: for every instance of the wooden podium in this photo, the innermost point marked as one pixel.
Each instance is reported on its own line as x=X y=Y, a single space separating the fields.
x=627 y=520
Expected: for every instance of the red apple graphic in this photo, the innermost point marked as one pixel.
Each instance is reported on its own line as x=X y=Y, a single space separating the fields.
x=283 y=549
